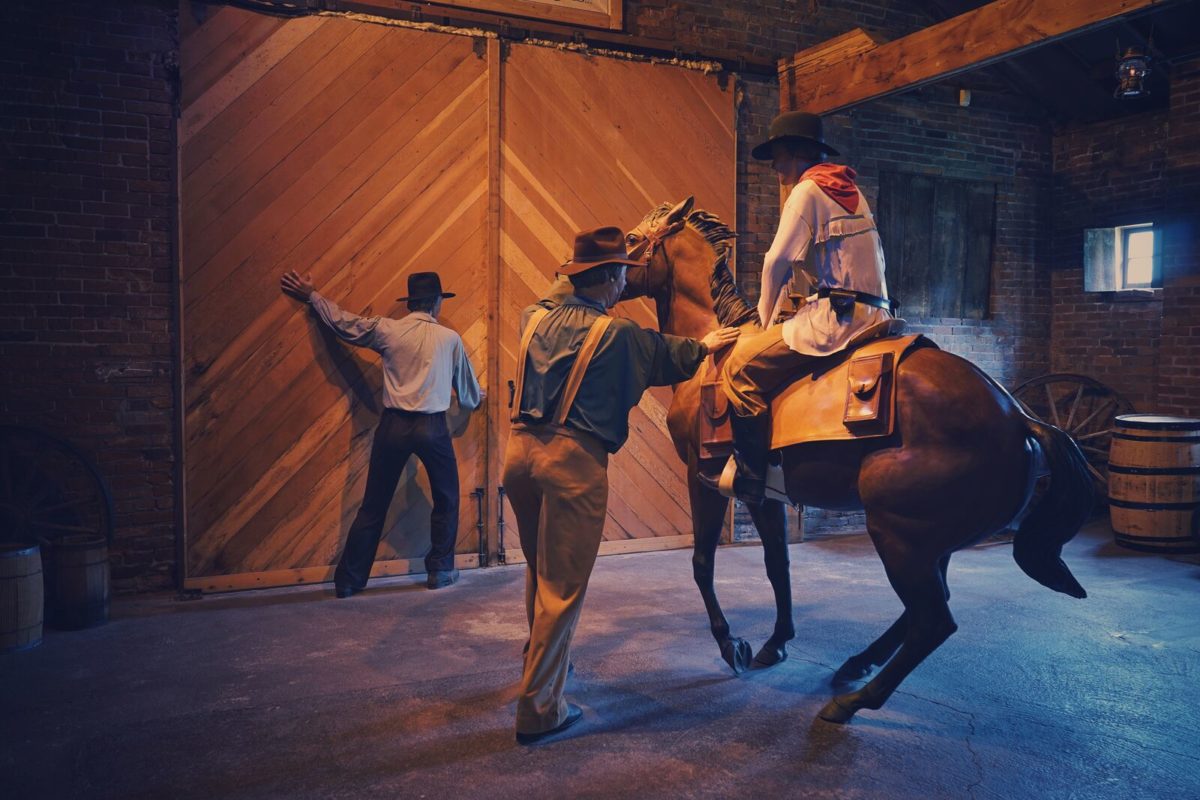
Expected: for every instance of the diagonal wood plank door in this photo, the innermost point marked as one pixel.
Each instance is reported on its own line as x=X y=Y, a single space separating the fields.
x=358 y=153
x=591 y=141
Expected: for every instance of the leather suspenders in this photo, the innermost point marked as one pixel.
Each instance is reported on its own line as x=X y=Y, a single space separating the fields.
x=574 y=379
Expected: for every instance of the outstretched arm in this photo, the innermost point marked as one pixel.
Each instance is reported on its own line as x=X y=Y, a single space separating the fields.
x=350 y=328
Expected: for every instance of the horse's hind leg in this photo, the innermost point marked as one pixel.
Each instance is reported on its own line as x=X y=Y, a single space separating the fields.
x=919 y=582
x=876 y=654
x=879 y=651
x=708 y=517
x=771 y=522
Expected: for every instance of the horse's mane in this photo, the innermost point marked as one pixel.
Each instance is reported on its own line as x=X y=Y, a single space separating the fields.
x=731 y=308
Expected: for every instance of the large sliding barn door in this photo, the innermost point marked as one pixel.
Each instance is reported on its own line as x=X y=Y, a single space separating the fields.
x=358 y=153
x=596 y=141
x=361 y=153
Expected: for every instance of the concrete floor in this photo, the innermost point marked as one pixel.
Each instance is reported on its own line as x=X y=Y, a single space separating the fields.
x=406 y=693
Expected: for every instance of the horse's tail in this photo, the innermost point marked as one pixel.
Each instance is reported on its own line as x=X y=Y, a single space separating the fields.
x=1058 y=514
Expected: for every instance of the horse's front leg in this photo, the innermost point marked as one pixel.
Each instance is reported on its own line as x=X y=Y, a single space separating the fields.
x=708 y=517
x=771 y=522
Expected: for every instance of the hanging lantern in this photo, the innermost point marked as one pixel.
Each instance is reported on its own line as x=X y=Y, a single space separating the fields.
x=1132 y=69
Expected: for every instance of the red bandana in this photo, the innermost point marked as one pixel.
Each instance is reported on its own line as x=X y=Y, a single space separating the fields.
x=837 y=182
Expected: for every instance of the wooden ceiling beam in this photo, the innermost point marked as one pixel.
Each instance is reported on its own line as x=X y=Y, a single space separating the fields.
x=988 y=34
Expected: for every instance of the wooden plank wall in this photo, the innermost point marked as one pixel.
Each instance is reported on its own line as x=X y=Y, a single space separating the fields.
x=360 y=153
x=943 y=228
x=595 y=141
x=353 y=152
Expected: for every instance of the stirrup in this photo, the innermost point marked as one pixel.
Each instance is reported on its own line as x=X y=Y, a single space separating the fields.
x=774 y=489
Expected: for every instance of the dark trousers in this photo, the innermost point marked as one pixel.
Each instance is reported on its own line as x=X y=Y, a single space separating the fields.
x=402 y=434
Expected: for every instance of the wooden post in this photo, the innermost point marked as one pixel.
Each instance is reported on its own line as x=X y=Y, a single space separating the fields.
x=494 y=286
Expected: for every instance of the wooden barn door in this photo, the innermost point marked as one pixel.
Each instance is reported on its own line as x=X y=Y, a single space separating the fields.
x=595 y=141
x=358 y=153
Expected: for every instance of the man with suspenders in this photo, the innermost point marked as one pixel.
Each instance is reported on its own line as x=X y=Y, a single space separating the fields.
x=579 y=373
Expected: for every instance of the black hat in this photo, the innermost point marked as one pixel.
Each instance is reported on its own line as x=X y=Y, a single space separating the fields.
x=422 y=285
x=596 y=248
x=796 y=126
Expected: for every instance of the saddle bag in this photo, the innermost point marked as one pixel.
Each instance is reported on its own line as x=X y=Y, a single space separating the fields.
x=868 y=396
x=716 y=434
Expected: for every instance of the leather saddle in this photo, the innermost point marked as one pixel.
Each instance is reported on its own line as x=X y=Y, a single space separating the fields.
x=847 y=395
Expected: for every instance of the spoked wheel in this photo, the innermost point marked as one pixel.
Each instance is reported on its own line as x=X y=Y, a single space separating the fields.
x=49 y=489
x=1084 y=408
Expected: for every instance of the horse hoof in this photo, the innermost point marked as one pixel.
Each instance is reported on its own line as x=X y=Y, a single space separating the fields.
x=770 y=655
x=850 y=672
x=835 y=712
x=736 y=653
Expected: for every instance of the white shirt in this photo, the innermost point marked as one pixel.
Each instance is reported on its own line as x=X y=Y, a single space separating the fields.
x=422 y=360
x=842 y=250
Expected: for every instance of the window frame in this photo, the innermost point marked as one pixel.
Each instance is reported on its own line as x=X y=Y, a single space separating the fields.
x=1105 y=259
x=1124 y=232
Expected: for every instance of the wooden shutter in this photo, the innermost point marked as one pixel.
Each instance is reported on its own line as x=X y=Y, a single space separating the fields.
x=937 y=240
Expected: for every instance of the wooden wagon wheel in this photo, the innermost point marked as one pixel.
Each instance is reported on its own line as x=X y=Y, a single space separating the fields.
x=1082 y=407
x=49 y=489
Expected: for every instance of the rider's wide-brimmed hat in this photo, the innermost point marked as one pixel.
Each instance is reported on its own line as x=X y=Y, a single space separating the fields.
x=423 y=285
x=597 y=247
x=797 y=126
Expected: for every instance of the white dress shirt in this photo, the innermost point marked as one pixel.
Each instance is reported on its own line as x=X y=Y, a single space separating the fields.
x=422 y=360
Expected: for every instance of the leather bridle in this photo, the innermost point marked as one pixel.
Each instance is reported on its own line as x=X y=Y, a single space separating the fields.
x=655 y=239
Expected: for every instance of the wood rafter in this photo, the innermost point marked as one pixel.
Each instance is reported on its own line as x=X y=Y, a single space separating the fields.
x=996 y=31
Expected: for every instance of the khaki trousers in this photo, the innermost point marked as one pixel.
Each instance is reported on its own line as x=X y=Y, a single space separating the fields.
x=557 y=481
x=759 y=365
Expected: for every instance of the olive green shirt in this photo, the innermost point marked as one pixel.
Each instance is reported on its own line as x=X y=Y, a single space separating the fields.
x=628 y=360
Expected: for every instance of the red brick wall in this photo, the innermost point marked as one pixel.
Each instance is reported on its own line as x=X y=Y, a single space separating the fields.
x=1106 y=174
x=86 y=271
x=1135 y=169
x=1179 y=350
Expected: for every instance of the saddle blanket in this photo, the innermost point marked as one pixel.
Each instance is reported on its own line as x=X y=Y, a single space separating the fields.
x=849 y=395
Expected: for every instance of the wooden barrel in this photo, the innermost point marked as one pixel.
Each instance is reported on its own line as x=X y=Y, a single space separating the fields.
x=1154 y=483
x=20 y=597
x=80 y=582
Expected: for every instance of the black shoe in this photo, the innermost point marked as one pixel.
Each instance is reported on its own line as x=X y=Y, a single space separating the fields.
x=441 y=578
x=751 y=449
x=574 y=714
x=345 y=591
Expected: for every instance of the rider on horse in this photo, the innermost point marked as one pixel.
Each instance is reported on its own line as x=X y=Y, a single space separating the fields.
x=827 y=229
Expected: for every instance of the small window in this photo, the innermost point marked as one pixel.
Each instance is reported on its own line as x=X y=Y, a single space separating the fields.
x=1122 y=258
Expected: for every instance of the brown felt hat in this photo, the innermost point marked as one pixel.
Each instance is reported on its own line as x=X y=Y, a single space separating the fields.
x=598 y=247
x=795 y=126
x=423 y=285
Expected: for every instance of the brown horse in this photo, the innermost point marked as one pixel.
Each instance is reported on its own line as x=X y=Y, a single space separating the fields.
x=962 y=465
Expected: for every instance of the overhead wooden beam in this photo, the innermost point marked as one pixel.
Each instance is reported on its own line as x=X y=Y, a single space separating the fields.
x=980 y=37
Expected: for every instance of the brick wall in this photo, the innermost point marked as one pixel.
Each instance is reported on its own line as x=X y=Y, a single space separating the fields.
x=1136 y=169
x=1179 y=348
x=86 y=271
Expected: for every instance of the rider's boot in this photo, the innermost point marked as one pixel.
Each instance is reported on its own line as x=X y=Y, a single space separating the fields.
x=751 y=447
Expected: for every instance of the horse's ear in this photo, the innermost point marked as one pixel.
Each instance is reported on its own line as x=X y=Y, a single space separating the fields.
x=680 y=212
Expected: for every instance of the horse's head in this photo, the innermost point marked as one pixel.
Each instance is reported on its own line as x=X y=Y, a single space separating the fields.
x=684 y=254
x=646 y=242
